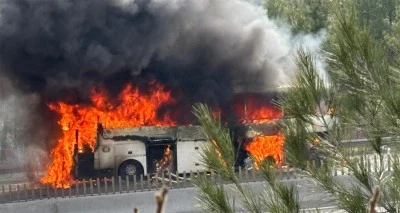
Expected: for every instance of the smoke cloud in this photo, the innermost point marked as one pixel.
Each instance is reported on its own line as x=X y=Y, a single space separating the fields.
x=200 y=48
x=24 y=133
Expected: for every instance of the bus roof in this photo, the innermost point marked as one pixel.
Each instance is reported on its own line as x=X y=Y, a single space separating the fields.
x=182 y=133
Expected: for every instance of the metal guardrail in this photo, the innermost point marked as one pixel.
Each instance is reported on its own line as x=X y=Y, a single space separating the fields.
x=112 y=185
x=117 y=185
x=366 y=142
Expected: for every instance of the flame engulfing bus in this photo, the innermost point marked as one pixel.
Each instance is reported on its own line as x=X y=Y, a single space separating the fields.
x=154 y=149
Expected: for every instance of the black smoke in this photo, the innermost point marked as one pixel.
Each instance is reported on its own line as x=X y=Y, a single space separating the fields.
x=201 y=50
x=197 y=48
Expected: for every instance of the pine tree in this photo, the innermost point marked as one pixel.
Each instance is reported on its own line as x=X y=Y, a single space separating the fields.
x=302 y=15
x=362 y=92
x=219 y=157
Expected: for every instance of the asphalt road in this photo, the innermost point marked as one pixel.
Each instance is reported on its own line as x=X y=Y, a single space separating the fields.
x=184 y=200
x=182 y=197
x=181 y=200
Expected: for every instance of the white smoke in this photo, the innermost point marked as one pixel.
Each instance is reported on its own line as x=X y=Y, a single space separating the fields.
x=22 y=138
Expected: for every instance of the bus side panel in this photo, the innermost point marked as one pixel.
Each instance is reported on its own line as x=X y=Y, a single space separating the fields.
x=140 y=159
x=188 y=155
x=110 y=153
x=104 y=155
x=130 y=150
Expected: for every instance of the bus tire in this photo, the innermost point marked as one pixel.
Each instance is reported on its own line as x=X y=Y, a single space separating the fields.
x=130 y=168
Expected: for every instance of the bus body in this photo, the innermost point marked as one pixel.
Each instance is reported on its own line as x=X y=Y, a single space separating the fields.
x=149 y=149
x=154 y=149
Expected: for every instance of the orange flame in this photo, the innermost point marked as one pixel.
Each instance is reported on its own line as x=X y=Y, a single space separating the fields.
x=216 y=149
x=254 y=109
x=216 y=112
x=165 y=161
x=264 y=146
x=135 y=109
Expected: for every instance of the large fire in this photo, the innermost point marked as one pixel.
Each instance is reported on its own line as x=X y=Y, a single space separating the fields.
x=265 y=146
x=134 y=109
x=255 y=109
x=259 y=110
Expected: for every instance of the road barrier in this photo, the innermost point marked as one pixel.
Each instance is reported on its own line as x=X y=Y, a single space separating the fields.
x=113 y=185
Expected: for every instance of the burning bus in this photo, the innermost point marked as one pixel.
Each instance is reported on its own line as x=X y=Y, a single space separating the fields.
x=150 y=149
x=146 y=150
x=131 y=138
x=141 y=64
x=143 y=150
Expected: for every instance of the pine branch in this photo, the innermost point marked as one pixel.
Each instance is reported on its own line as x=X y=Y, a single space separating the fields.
x=161 y=199
x=372 y=201
x=218 y=156
x=212 y=197
x=364 y=93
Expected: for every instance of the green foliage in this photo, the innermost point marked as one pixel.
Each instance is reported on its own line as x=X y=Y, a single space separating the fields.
x=284 y=198
x=381 y=17
x=362 y=53
x=296 y=145
x=351 y=196
x=315 y=93
x=364 y=75
x=392 y=37
x=378 y=15
x=363 y=91
x=212 y=197
x=310 y=88
x=219 y=158
x=390 y=193
x=302 y=15
x=313 y=15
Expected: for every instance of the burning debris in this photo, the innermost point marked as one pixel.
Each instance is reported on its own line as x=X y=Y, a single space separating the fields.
x=165 y=163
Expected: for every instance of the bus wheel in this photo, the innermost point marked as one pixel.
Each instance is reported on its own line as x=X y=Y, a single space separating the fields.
x=130 y=168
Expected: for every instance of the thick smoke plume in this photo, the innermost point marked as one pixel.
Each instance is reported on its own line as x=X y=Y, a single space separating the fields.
x=202 y=50
x=201 y=47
